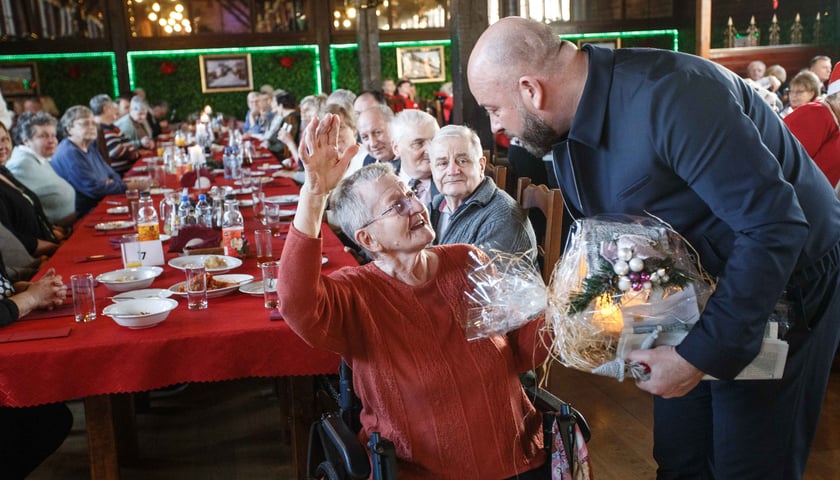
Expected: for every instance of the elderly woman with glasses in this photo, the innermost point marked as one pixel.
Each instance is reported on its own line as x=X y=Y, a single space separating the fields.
x=80 y=163
x=453 y=408
x=30 y=163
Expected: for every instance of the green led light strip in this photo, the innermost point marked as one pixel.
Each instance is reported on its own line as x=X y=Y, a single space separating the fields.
x=54 y=56
x=675 y=35
x=221 y=51
x=352 y=46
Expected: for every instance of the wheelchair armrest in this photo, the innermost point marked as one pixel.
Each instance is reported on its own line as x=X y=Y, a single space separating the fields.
x=546 y=401
x=346 y=444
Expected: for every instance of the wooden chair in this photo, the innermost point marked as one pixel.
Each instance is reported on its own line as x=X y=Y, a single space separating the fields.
x=550 y=203
x=499 y=174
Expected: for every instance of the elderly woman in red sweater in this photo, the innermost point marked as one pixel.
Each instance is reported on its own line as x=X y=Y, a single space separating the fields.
x=453 y=408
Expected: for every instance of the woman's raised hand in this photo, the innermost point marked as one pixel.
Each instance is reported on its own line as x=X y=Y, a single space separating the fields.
x=323 y=163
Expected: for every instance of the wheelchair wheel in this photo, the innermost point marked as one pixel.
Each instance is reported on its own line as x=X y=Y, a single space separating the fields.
x=326 y=471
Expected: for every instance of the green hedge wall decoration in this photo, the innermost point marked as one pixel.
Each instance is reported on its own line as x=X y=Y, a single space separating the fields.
x=186 y=97
x=74 y=81
x=346 y=68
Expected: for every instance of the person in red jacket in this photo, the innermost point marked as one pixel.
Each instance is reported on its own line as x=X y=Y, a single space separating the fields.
x=816 y=127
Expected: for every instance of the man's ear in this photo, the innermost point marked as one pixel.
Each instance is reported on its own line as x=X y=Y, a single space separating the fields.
x=367 y=241
x=531 y=91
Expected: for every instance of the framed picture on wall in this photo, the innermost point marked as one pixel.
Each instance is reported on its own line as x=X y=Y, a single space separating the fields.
x=421 y=64
x=226 y=73
x=611 y=42
x=19 y=79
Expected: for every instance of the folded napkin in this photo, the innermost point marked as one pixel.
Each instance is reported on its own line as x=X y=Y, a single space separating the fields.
x=188 y=179
x=208 y=236
x=65 y=310
x=35 y=335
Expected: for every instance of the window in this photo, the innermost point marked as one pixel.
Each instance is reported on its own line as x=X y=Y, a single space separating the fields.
x=393 y=14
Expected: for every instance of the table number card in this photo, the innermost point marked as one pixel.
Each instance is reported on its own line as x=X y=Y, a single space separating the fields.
x=146 y=253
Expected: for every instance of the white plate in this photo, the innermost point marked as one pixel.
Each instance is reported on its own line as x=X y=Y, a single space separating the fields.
x=246 y=202
x=285 y=213
x=283 y=199
x=164 y=237
x=253 y=288
x=160 y=191
x=269 y=166
x=236 y=279
x=116 y=225
x=242 y=191
x=143 y=293
x=182 y=263
x=117 y=210
x=150 y=159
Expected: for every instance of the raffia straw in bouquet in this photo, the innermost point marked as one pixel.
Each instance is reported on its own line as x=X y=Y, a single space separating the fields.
x=620 y=276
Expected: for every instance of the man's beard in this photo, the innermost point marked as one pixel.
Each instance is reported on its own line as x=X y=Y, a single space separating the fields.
x=537 y=137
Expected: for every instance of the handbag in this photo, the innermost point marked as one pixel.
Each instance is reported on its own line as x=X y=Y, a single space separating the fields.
x=569 y=454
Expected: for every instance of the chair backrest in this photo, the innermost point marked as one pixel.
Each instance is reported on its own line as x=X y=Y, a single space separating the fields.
x=499 y=174
x=550 y=203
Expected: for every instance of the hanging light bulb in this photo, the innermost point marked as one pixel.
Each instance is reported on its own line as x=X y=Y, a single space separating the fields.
x=351 y=12
x=179 y=8
x=167 y=29
x=156 y=7
x=162 y=22
x=153 y=17
x=346 y=23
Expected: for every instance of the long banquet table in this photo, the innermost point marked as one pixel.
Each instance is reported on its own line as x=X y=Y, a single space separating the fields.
x=99 y=360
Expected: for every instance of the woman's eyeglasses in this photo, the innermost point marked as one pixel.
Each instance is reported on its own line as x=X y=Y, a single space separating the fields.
x=401 y=206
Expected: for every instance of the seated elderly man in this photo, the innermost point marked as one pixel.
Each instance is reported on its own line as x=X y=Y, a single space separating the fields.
x=115 y=148
x=411 y=133
x=374 y=126
x=30 y=163
x=399 y=323
x=470 y=208
x=133 y=125
x=259 y=116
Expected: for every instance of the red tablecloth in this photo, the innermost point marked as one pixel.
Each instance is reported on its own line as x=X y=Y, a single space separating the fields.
x=233 y=338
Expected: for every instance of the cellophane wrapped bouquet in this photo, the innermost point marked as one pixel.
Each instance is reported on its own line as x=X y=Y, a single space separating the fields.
x=623 y=283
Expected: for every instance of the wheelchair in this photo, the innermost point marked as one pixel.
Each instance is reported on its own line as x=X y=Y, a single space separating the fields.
x=335 y=452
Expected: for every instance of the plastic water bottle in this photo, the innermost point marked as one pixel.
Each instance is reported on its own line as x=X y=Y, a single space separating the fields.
x=233 y=229
x=236 y=163
x=147 y=219
x=204 y=212
x=185 y=211
x=227 y=163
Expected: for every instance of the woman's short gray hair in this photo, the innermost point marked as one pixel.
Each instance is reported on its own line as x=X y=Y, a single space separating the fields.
x=71 y=115
x=99 y=102
x=346 y=202
x=25 y=129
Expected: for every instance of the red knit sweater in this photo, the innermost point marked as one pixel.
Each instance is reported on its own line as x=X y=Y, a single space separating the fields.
x=454 y=409
x=815 y=126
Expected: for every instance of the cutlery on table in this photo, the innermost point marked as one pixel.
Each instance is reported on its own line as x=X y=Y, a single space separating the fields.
x=93 y=258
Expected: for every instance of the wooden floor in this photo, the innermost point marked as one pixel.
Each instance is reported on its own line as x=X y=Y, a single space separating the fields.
x=235 y=430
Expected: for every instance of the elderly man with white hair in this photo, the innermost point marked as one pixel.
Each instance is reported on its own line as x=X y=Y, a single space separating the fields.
x=411 y=133
x=471 y=208
x=374 y=127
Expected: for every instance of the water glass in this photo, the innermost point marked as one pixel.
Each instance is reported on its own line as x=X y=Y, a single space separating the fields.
x=84 y=301
x=262 y=241
x=272 y=217
x=269 y=281
x=196 y=287
x=132 y=196
x=258 y=199
x=130 y=248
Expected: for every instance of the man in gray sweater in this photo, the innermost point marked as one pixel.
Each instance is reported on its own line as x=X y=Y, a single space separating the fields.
x=470 y=208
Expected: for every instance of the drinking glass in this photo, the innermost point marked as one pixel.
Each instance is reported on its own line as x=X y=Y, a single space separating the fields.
x=258 y=199
x=262 y=240
x=130 y=258
x=196 y=287
x=132 y=196
x=269 y=279
x=272 y=217
x=84 y=301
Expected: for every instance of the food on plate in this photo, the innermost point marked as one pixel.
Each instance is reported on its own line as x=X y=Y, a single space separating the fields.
x=212 y=284
x=215 y=261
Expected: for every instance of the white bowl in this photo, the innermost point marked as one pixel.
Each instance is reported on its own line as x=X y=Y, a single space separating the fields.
x=127 y=279
x=141 y=312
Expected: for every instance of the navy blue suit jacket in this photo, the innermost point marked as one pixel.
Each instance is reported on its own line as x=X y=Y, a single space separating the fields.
x=686 y=140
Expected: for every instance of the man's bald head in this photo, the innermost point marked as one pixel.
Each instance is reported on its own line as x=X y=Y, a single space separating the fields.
x=511 y=47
